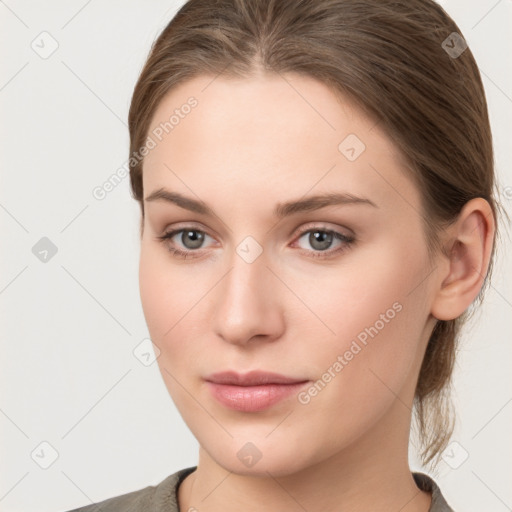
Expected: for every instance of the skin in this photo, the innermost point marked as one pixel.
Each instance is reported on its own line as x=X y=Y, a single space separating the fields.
x=248 y=145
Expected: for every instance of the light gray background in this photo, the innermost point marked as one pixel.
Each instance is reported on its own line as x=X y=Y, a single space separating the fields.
x=69 y=377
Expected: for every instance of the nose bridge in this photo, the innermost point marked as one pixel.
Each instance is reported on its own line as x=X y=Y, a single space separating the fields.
x=247 y=282
x=246 y=300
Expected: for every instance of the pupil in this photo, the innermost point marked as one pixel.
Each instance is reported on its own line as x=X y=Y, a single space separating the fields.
x=320 y=240
x=195 y=236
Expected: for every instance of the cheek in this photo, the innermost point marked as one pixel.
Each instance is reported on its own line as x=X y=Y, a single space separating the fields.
x=169 y=297
x=162 y=295
x=371 y=309
x=374 y=353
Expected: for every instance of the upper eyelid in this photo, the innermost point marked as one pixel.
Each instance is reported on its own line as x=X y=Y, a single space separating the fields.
x=312 y=226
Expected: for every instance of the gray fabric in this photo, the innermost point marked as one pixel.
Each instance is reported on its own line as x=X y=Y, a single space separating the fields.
x=163 y=497
x=425 y=483
x=159 y=498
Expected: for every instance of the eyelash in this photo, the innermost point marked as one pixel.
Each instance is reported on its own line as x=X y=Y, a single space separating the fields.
x=327 y=254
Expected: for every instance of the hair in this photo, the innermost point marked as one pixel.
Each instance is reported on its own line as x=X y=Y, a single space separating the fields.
x=388 y=57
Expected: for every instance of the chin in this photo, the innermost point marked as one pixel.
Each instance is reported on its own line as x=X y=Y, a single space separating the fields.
x=262 y=455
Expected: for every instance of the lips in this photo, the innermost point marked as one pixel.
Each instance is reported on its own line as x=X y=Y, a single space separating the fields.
x=254 y=378
x=253 y=391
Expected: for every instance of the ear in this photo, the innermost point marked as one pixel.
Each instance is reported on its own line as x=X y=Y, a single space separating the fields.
x=469 y=242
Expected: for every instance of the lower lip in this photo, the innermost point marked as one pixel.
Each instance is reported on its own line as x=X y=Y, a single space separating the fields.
x=252 y=398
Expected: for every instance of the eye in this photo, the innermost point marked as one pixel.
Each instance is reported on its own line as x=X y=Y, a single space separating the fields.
x=322 y=239
x=319 y=238
x=191 y=238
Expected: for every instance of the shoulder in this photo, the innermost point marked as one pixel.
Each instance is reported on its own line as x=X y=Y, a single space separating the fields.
x=154 y=498
x=426 y=483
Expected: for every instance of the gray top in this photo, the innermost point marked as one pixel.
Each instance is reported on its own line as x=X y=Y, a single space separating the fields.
x=164 y=498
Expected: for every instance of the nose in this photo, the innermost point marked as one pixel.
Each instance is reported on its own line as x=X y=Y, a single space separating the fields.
x=247 y=305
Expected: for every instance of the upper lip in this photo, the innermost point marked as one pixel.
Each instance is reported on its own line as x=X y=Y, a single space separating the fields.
x=253 y=378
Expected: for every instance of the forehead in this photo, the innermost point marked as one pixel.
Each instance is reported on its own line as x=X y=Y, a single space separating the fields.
x=270 y=135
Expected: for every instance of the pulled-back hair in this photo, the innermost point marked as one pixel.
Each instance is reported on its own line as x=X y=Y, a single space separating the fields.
x=398 y=60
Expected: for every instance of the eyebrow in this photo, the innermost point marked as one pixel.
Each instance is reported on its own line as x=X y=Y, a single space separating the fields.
x=281 y=210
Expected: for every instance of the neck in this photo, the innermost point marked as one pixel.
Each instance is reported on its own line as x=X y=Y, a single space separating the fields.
x=371 y=474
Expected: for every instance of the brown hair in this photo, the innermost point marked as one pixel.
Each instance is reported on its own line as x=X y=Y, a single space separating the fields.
x=393 y=59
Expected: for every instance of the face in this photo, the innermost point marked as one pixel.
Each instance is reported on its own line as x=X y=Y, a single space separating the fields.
x=332 y=296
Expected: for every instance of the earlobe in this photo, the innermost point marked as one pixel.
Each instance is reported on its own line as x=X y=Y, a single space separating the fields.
x=470 y=241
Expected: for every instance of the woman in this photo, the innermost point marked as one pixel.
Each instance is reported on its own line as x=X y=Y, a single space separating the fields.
x=316 y=188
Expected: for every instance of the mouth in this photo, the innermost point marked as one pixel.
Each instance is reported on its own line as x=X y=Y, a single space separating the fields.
x=253 y=391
